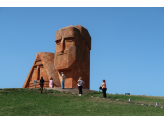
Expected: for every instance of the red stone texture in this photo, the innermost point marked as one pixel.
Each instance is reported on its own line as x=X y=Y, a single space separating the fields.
x=72 y=57
x=43 y=67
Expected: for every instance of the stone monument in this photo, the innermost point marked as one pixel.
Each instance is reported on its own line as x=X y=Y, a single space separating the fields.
x=72 y=57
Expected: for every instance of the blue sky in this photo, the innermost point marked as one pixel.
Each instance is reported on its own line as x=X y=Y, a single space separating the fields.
x=126 y=46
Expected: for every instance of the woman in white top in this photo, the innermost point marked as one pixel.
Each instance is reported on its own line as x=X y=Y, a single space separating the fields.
x=51 y=82
x=80 y=85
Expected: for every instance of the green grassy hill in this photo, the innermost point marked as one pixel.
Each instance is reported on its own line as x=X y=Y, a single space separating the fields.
x=29 y=102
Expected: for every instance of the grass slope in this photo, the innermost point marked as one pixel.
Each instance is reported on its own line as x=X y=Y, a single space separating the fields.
x=28 y=102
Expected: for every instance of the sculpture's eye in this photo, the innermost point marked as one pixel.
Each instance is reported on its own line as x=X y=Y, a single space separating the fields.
x=69 y=39
x=69 y=42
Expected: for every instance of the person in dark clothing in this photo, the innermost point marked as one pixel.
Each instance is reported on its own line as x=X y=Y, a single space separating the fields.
x=41 y=84
x=104 y=89
x=80 y=85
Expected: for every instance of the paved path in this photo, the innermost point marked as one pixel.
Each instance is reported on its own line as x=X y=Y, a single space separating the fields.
x=70 y=90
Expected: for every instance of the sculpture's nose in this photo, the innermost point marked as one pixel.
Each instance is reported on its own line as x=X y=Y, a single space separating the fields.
x=62 y=45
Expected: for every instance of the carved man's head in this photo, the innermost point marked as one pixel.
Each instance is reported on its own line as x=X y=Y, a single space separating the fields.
x=69 y=46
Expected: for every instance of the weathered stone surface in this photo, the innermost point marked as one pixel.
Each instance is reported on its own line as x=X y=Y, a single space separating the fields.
x=43 y=67
x=72 y=57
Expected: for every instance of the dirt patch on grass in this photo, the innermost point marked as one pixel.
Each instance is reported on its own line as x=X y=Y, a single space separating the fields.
x=71 y=90
x=97 y=99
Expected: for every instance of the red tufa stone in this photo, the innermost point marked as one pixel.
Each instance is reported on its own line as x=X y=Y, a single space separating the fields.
x=72 y=57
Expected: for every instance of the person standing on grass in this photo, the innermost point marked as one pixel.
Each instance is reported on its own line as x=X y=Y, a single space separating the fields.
x=51 y=82
x=104 y=89
x=63 y=77
x=80 y=85
x=41 y=84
